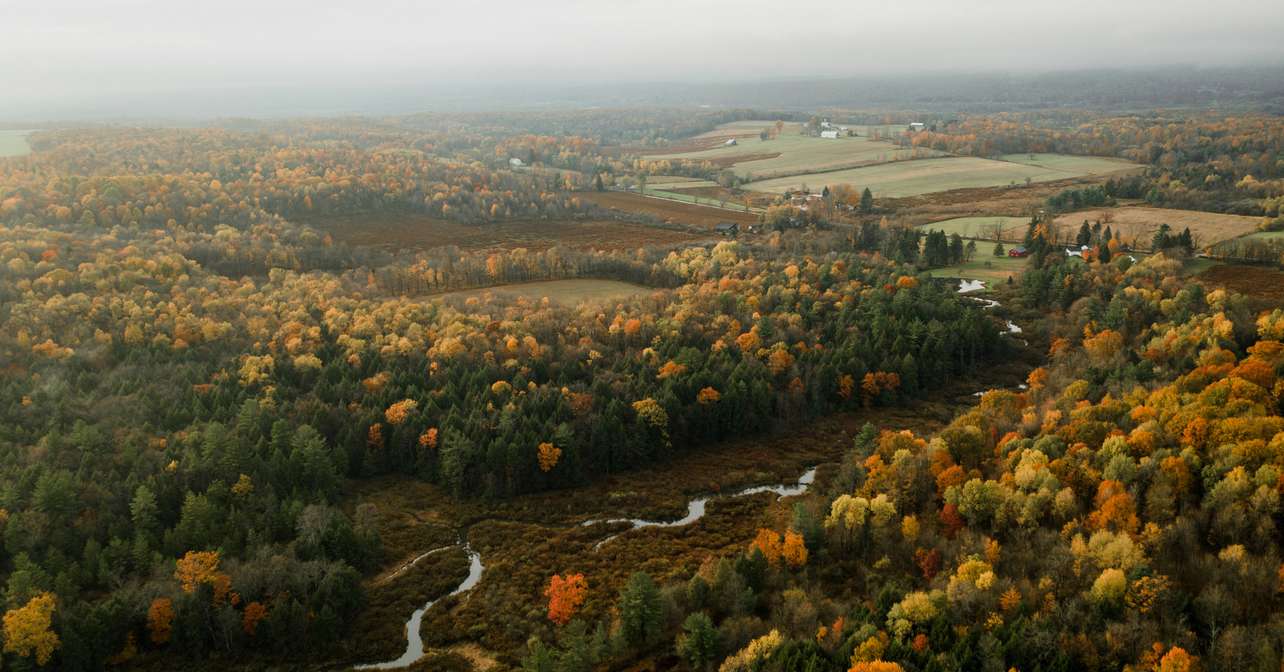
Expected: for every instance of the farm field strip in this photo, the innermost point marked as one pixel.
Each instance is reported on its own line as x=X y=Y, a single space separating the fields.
x=687 y=184
x=913 y=178
x=1067 y=163
x=796 y=153
x=697 y=200
x=680 y=210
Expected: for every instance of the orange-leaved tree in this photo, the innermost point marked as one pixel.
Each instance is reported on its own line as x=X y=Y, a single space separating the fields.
x=794 y=550
x=768 y=543
x=549 y=454
x=160 y=619
x=565 y=596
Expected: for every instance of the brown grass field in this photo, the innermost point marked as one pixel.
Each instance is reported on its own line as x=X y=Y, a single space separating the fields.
x=1264 y=286
x=701 y=216
x=566 y=292
x=1140 y=224
x=986 y=201
x=398 y=231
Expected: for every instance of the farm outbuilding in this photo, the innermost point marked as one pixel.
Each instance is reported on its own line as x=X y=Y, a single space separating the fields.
x=727 y=229
x=917 y=126
x=1018 y=252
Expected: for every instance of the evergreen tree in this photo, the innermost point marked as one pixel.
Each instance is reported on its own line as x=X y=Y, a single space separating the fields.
x=698 y=643
x=640 y=610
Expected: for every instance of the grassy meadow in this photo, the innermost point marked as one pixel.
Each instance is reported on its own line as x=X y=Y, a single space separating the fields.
x=984 y=266
x=981 y=228
x=1075 y=165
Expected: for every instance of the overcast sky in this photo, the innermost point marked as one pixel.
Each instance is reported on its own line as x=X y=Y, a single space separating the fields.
x=59 y=55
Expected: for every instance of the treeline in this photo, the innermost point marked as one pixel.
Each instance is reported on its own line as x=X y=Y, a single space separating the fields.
x=909 y=245
x=209 y=177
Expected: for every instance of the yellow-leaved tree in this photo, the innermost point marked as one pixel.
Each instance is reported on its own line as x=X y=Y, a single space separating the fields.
x=198 y=567
x=28 y=630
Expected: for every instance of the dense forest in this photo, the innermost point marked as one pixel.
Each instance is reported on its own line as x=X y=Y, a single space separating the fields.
x=191 y=377
x=1120 y=513
x=195 y=378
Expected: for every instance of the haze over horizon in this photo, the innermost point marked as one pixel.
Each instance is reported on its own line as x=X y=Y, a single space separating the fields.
x=75 y=58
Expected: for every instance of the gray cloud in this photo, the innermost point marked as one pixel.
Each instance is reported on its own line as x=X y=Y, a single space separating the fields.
x=59 y=55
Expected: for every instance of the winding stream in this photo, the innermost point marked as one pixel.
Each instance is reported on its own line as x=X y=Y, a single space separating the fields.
x=695 y=511
x=967 y=286
x=696 y=507
x=414 y=641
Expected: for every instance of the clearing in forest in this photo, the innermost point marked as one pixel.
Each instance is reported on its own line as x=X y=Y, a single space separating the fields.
x=1139 y=224
x=984 y=266
x=566 y=292
x=1264 y=286
x=401 y=230
x=703 y=216
x=925 y=176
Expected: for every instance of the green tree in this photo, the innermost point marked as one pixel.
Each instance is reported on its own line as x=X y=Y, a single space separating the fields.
x=640 y=610
x=866 y=201
x=698 y=643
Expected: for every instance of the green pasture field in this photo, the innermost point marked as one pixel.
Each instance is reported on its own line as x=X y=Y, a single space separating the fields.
x=981 y=228
x=984 y=266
